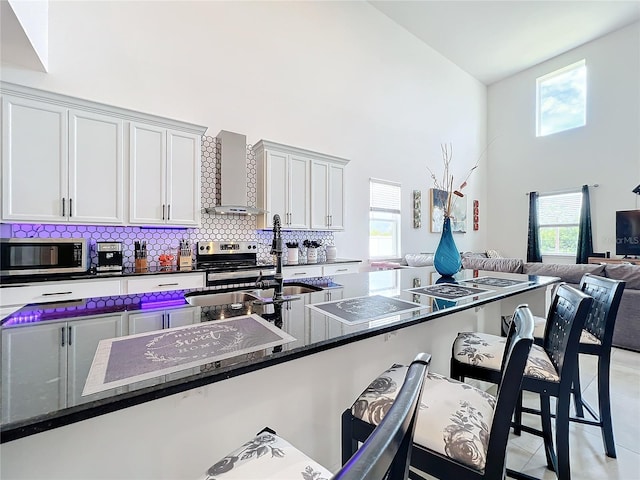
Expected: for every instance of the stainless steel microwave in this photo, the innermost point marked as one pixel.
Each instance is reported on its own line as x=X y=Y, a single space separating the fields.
x=36 y=256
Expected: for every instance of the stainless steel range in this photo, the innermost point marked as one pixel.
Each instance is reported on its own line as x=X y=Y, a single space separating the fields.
x=229 y=263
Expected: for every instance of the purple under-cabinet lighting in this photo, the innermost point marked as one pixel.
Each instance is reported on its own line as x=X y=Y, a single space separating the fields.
x=162 y=303
x=23 y=319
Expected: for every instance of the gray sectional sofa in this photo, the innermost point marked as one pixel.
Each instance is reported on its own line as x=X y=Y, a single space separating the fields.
x=627 y=330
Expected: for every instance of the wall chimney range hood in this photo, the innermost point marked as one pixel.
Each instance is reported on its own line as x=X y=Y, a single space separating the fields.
x=233 y=176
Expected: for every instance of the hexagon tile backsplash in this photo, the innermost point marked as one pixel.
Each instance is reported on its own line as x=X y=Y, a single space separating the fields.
x=162 y=240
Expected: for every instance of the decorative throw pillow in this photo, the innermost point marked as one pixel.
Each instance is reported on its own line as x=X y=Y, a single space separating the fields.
x=493 y=254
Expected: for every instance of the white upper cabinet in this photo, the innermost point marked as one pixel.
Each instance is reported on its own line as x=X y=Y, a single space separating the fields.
x=164 y=176
x=283 y=188
x=60 y=165
x=327 y=196
x=34 y=161
x=96 y=168
x=305 y=188
x=65 y=159
x=183 y=178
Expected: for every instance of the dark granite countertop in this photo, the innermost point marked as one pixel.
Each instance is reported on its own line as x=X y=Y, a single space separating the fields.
x=8 y=281
x=314 y=329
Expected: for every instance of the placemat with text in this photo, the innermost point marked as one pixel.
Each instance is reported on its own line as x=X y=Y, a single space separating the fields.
x=125 y=360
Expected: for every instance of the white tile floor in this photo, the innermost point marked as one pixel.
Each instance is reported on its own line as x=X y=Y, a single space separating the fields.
x=588 y=460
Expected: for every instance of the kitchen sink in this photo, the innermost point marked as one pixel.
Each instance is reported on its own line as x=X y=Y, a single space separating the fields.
x=209 y=299
x=212 y=299
x=296 y=289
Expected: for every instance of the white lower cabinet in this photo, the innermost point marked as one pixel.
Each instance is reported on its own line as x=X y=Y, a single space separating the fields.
x=302 y=271
x=319 y=270
x=164 y=283
x=340 y=268
x=144 y=322
x=69 y=348
x=25 y=294
x=83 y=337
x=320 y=327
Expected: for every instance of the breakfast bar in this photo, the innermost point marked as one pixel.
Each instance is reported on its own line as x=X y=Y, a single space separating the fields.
x=158 y=385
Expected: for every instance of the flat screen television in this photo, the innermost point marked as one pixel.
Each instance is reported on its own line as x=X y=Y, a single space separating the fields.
x=628 y=232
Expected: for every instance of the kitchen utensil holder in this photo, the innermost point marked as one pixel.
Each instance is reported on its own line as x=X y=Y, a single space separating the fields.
x=141 y=265
x=312 y=255
x=185 y=262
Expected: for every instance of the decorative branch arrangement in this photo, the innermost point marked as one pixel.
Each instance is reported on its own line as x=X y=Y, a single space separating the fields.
x=447 y=182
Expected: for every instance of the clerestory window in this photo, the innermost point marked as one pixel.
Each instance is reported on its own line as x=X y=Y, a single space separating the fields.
x=561 y=100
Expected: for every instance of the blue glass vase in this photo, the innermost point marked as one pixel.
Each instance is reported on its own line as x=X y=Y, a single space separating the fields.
x=446 y=260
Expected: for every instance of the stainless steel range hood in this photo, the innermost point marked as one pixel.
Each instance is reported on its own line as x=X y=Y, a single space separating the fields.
x=233 y=176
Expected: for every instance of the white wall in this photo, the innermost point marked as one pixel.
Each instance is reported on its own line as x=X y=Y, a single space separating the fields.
x=336 y=77
x=33 y=18
x=606 y=151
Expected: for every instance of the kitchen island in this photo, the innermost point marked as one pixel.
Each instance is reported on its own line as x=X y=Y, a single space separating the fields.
x=175 y=424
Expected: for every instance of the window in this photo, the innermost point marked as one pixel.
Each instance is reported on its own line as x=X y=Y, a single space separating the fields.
x=562 y=99
x=559 y=218
x=384 y=219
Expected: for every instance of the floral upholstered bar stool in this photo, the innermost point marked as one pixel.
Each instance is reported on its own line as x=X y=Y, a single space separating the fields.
x=385 y=455
x=549 y=371
x=461 y=431
x=596 y=339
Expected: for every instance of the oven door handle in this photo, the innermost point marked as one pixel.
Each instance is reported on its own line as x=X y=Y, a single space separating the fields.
x=217 y=276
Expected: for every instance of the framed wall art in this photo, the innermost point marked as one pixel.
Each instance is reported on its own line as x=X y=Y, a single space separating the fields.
x=439 y=200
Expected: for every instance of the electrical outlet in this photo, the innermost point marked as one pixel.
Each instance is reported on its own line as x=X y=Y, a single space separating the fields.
x=388 y=335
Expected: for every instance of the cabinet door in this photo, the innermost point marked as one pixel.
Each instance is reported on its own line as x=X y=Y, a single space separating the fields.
x=340 y=268
x=165 y=283
x=183 y=179
x=303 y=271
x=181 y=317
x=299 y=193
x=32 y=388
x=82 y=342
x=95 y=168
x=147 y=183
x=58 y=291
x=146 y=322
x=276 y=185
x=336 y=197
x=296 y=322
x=34 y=161
x=319 y=195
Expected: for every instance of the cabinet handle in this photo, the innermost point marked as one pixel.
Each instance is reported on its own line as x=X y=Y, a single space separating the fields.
x=168 y=321
x=63 y=208
x=163 y=211
x=300 y=273
x=56 y=293
x=342 y=270
x=167 y=284
x=331 y=220
x=70 y=207
x=70 y=337
x=169 y=212
x=62 y=330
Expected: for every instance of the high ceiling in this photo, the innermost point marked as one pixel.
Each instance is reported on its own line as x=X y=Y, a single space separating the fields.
x=492 y=40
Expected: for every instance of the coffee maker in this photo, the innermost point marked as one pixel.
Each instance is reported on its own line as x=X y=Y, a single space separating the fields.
x=109 y=256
